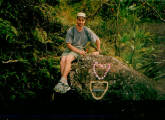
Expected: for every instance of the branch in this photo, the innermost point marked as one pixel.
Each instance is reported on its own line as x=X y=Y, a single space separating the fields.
x=10 y=61
x=153 y=10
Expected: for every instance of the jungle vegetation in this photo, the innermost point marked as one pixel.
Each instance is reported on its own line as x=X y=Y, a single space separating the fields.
x=32 y=39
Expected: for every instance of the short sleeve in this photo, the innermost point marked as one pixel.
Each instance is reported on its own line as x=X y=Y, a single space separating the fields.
x=92 y=36
x=69 y=36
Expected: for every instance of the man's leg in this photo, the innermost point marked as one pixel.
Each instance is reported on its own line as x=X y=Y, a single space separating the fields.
x=67 y=65
x=62 y=64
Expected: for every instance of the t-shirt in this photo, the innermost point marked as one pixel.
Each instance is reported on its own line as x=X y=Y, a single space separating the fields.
x=80 y=39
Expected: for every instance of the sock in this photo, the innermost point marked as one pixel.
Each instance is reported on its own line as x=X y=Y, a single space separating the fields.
x=63 y=80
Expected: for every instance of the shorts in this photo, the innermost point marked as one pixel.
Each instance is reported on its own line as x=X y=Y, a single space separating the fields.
x=69 y=52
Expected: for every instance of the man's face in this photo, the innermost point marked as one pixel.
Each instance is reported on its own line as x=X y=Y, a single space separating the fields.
x=80 y=21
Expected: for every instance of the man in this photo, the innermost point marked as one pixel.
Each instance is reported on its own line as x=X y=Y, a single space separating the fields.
x=76 y=39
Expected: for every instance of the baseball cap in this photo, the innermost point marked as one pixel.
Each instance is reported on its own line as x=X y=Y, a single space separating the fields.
x=81 y=14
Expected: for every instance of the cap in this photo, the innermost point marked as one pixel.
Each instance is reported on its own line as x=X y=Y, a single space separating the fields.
x=81 y=14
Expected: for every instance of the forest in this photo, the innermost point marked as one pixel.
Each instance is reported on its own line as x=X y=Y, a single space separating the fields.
x=32 y=39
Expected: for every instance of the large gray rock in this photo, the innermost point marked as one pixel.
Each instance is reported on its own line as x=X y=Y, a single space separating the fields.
x=120 y=82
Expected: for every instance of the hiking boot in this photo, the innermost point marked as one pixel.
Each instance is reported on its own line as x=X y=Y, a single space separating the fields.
x=62 y=87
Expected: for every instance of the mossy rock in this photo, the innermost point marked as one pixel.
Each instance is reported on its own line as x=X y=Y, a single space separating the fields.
x=121 y=82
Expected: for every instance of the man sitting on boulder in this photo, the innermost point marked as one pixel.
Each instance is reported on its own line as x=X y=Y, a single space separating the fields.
x=76 y=39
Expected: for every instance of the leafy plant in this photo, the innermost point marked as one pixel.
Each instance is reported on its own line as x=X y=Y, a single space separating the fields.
x=7 y=31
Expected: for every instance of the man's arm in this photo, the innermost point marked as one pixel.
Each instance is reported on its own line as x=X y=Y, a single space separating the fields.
x=98 y=48
x=94 y=38
x=98 y=45
x=74 y=49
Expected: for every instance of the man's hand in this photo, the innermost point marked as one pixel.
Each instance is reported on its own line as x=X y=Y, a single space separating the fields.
x=82 y=53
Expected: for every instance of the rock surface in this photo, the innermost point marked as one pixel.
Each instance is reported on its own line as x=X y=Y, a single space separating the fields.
x=107 y=78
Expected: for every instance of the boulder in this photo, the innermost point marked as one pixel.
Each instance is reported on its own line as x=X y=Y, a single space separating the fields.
x=106 y=78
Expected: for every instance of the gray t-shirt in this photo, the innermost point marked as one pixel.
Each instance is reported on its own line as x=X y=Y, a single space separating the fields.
x=80 y=39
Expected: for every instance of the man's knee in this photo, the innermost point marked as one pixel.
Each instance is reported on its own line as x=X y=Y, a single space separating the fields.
x=62 y=61
x=69 y=58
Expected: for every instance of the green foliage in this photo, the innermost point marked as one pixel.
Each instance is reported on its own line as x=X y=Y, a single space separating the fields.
x=32 y=35
x=40 y=35
x=7 y=31
x=1 y=1
x=42 y=1
x=136 y=44
x=24 y=71
x=47 y=12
